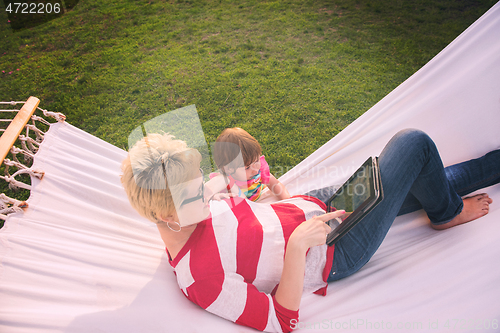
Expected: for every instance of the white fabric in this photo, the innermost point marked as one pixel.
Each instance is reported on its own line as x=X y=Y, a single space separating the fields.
x=80 y=259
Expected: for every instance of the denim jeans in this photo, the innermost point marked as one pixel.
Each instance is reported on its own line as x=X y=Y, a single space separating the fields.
x=413 y=177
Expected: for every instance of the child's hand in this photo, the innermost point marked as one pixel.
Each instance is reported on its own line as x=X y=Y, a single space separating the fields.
x=222 y=196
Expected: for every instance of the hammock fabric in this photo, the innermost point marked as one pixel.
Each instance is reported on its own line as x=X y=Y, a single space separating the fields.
x=80 y=259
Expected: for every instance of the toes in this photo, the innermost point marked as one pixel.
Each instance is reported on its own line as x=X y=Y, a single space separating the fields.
x=487 y=200
x=482 y=197
x=478 y=197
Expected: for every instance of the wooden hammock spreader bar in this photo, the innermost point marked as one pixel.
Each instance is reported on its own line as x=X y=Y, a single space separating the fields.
x=16 y=126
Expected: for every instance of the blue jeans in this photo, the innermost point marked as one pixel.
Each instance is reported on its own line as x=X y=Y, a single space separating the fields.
x=413 y=177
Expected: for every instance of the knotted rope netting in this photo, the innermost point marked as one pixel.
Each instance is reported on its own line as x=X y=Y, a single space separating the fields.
x=22 y=134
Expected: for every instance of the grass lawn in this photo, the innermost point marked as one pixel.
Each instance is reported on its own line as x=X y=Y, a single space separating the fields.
x=292 y=73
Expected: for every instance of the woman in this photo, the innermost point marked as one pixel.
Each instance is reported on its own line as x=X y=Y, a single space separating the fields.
x=251 y=263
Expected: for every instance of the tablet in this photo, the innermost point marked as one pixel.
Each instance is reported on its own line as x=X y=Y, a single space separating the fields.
x=357 y=196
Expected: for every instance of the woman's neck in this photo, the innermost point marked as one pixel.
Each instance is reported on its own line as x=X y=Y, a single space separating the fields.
x=175 y=241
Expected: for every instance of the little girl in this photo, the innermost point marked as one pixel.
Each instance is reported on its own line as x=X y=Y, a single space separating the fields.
x=238 y=156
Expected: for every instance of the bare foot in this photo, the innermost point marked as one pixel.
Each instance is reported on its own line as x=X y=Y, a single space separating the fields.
x=474 y=207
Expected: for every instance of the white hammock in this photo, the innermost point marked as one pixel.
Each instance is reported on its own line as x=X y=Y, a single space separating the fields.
x=80 y=259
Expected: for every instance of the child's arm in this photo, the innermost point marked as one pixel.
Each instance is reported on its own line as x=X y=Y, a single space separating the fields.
x=218 y=184
x=278 y=189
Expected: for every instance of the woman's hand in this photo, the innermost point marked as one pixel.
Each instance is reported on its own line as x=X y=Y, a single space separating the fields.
x=313 y=232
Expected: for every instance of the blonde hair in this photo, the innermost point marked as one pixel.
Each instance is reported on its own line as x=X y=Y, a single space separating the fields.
x=230 y=143
x=153 y=166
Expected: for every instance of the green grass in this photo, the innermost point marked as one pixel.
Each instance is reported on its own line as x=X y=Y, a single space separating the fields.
x=292 y=73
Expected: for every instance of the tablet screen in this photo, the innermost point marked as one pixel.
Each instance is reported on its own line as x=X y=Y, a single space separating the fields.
x=357 y=190
x=359 y=195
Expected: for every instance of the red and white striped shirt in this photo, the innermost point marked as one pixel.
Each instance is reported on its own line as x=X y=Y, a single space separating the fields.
x=232 y=263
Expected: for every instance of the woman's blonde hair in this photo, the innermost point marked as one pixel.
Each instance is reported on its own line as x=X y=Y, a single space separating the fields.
x=153 y=167
x=230 y=143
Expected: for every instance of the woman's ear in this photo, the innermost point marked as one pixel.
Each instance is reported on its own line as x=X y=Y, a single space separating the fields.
x=170 y=218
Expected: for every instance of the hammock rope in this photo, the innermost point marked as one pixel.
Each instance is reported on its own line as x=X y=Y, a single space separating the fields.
x=29 y=143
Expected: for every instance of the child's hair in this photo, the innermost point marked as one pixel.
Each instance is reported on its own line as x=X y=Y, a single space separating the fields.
x=230 y=143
